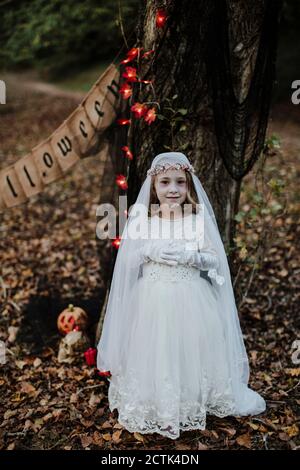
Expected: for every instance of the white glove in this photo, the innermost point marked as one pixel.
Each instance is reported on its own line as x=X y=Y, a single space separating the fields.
x=151 y=251
x=205 y=260
x=198 y=259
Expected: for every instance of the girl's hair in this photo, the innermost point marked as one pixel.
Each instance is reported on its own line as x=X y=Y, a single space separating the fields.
x=191 y=195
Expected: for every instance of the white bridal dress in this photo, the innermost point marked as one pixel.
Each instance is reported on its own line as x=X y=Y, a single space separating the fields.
x=175 y=366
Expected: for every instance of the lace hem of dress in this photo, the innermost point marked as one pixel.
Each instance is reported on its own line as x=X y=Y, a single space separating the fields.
x=171 y=415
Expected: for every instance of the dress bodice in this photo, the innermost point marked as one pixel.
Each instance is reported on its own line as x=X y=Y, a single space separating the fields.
x=183 y=229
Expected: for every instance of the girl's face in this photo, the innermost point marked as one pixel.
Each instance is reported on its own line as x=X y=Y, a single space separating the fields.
x=171 y=187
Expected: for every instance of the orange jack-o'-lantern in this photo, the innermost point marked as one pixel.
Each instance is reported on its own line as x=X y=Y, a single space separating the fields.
x=72 y=318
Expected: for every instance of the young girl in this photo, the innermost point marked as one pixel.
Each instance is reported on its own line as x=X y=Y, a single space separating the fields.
x=171 y=336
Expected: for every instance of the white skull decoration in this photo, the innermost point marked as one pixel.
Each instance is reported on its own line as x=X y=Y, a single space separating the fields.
x=74 y=342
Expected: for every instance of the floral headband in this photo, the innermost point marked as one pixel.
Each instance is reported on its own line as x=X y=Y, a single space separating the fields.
x=167 y=166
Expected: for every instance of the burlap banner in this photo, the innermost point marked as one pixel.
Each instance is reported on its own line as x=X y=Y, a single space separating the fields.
x=53 y=157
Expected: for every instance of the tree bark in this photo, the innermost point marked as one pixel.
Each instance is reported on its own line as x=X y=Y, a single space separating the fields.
x=183 y=64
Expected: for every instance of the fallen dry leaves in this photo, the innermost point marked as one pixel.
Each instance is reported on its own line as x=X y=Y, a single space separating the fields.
x=49 y=258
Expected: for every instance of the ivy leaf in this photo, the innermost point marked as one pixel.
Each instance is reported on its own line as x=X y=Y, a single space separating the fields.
x=184 y=146
x=239 y=216
x=179 y=118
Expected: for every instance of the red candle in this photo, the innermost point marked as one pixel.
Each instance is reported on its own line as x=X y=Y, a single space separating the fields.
x=90 y=356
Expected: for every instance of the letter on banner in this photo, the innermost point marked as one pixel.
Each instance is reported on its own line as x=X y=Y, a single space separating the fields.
x=46 y=162
x=49 y=160
x=62 y=142
x=28 y=175
x=112 y=96
x=82 y=129
x=100 y=104
x=10 y=187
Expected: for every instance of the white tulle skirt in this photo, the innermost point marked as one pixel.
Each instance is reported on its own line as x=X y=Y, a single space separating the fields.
x=175 y=369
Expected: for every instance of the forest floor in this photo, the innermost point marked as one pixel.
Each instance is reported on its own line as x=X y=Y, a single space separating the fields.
x=49 y=259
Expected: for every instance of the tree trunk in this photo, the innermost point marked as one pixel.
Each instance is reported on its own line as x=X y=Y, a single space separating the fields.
x=218 y=58
x=183 y=65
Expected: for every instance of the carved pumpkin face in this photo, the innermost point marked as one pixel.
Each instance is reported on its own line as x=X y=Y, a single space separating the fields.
x=72 y=318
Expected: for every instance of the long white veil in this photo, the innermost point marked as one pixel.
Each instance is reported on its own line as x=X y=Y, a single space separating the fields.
x=119 y=313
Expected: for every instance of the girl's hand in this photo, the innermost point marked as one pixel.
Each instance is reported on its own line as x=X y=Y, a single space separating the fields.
x=170 y=256
x=158 y=254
